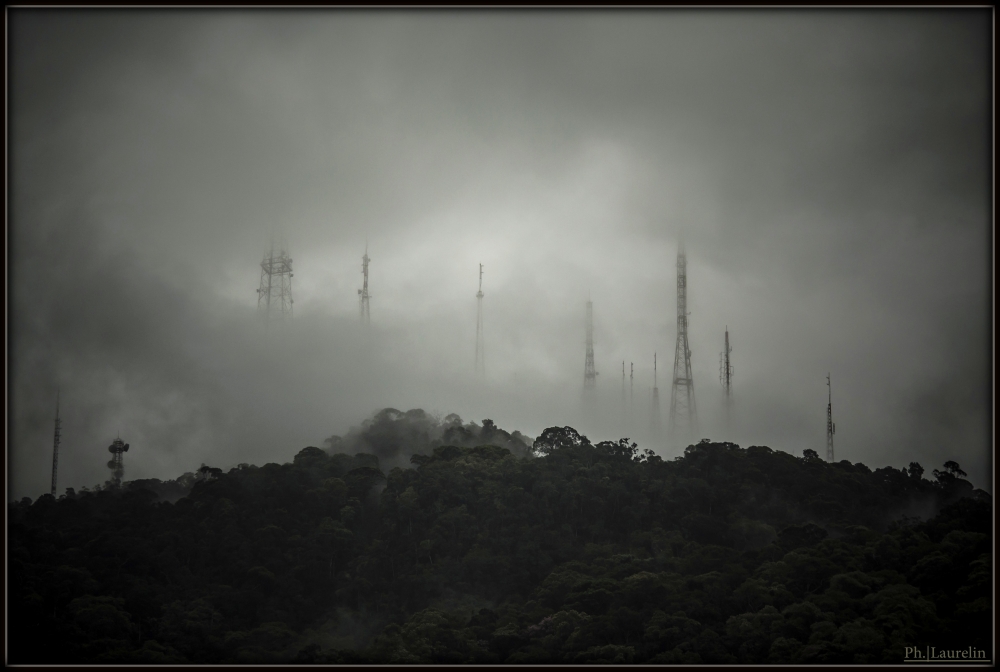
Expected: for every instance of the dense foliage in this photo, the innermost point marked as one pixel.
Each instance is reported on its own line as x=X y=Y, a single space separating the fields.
x=575 y=553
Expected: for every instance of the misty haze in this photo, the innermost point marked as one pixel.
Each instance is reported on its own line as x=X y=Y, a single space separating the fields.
x=368 y=246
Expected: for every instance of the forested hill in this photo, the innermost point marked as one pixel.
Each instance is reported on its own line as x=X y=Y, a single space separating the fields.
x=572 y=553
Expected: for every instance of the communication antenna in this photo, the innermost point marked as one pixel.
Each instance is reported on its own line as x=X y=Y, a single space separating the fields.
x=116 y=464
x=55 y=446
x=480 y=336
x=831 y=428
x=657 y=423
x=274 y=296
x=683 y=413
x=363 y=295
x=589 y=374
x=726 y=378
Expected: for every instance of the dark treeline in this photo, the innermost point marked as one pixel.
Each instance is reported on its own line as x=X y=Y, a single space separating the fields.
x=394 y=436
x=572 y=552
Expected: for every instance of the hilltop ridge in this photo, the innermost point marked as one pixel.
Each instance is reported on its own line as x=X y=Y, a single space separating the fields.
x=569 y=552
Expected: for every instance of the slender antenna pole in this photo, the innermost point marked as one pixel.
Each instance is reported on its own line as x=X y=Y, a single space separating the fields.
x=363 y=295
x=656 y=422
x=726 y=378
x=480 y=336
x=831 y=428
x=55 y=446
x=589 y=372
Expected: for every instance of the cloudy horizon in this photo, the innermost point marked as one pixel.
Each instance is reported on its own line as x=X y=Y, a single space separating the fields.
x=827 y=171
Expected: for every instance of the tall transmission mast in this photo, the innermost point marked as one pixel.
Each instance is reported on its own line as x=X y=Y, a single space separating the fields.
x=831 y=427
x=116 y=464
x=589 y=374
x=683 y=412
x=55 y=446
x=657 y=425
x=480 y=344
x=726 y=378
x=363 y=295
x=631 y=387
x=274 y=296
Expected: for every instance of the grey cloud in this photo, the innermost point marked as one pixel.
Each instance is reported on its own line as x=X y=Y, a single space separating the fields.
x=828 y=171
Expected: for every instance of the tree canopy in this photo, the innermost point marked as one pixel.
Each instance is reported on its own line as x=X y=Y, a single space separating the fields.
x=572 y=552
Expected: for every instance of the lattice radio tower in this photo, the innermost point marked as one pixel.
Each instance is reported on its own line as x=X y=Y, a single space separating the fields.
x=274 y=296
x=55 y=446
x=683 y=412
x=480 y=345
x=589 y=374
x=656 y=422
x=831 y=427
x=363 y=295
x=115 y=464
x=726 y=378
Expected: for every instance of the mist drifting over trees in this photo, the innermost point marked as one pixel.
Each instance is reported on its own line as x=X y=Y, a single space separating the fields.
x=569 y=552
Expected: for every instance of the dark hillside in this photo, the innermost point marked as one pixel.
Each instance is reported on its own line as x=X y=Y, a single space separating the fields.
x=577 y=553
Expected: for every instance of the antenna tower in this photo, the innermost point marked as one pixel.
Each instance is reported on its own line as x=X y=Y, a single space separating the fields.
x=55 y=446
x=589 y=374
x=656 y=403
x=363 y=295
x=631 y=387
x=683 y=413
x=831 y=427
x=480 y=345
x=274 y=296
x=115 y=464
x=726 y=378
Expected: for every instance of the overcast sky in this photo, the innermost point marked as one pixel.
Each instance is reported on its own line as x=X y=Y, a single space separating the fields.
x=827 y=171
